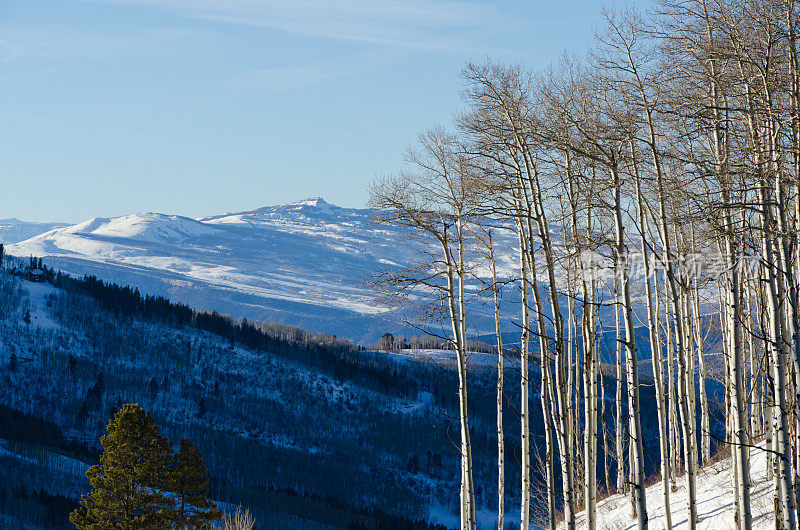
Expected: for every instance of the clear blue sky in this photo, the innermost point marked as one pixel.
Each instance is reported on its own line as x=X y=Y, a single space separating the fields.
x=197 y=107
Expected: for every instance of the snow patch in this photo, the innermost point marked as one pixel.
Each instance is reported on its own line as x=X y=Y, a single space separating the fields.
x=715 y=500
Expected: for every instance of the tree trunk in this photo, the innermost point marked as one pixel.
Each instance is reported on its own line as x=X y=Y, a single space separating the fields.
x=631 y=362
x=501 y=490
x=618 y=421
x=653 y=317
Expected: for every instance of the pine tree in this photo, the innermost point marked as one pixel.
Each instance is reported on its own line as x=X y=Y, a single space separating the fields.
x=127 y=482
x=188 y=480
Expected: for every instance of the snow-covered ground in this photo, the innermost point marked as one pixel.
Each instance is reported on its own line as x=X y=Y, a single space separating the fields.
x=446 y=357
x=715 y=500
x=37 y=300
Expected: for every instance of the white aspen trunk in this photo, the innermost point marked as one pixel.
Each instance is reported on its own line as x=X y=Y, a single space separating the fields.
x=501 y=462
x=533 y=199
x=653 y=317
x=733 y=315
x=784 y=515
x=631 y=362
x=687 y=326
x=548 y=400
x=705 y=422
x=618 y=421
x=632 y=482
x=778 y=336
x=466 y=521
x=573 y=380
x=769 y=391
x=686 y=422
x=604 y=433
x=463 y=323
x=525 y=464
x=731 y=436
x=590 y=365
x=686 y=419
x=735 y=468
x=756 y=391
x=794 y=103
x=590 y=368
x=787 y=287
x=563 y=413
x=669 y=278
x=550 y=436
x=457 y=321
x=577 y=397
x=726 y=353
x=674 y=441
x=690 y=366
x=573 y=383
x=528 y=264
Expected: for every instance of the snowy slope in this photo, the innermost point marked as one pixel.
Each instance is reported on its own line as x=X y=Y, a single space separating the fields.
x=13 y=230
x=304 y=263
x=715 y=500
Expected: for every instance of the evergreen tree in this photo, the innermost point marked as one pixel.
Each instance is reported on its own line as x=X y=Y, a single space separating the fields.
x=127 y=483
x=188 y=480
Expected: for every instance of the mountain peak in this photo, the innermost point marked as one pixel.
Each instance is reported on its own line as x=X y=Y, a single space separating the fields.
x=311 y=201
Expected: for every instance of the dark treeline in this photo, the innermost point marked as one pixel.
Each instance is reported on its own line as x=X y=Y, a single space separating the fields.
x=326 y=352
x=38 y=507
x=21 y=427
x=389 y=342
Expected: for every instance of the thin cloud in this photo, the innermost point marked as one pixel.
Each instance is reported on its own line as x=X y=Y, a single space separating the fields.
x=36 y=43
x=445 y=24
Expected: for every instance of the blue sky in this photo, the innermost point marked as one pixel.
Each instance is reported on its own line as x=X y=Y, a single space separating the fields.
x=197 y=107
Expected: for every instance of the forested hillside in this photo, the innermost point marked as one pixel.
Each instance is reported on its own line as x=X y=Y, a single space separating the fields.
x=281 y=416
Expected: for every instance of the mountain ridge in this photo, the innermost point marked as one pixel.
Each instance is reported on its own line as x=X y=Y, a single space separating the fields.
x=306 y=263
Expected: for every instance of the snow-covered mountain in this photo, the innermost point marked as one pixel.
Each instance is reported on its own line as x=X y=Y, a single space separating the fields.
x=13 y=230
x=305 y=263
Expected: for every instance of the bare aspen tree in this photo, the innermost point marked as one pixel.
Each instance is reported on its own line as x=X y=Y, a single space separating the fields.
x=655 y=342
x=487 y=128
x=484 y=236
x=436 y=200
x=599 y=129
x=619 y=428
x=591 y=356
x=501 y=491
x=506 y=93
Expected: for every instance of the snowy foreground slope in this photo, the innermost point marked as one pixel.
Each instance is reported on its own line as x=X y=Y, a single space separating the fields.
x=305 y=263
x=715 y=500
